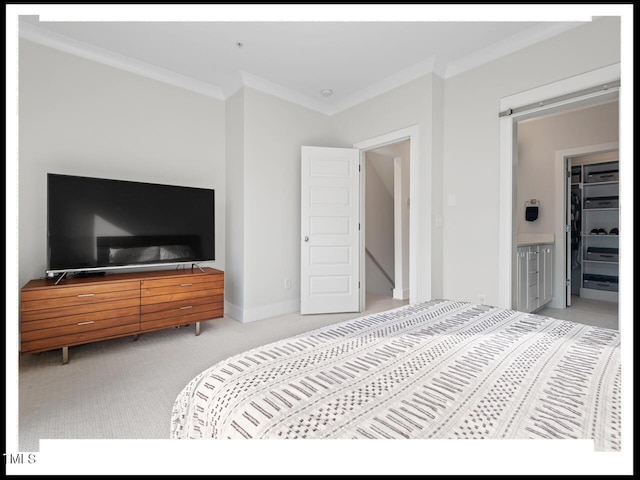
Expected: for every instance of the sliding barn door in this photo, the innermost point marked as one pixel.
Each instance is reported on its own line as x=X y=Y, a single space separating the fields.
x=330 y=237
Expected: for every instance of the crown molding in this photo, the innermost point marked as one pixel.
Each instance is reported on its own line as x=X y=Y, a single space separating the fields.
x=266 y=86
x=60 y=42
x=398 y=79
x=245 y=79
x=514 y=43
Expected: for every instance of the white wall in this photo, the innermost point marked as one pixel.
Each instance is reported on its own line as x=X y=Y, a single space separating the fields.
x=274 y=132
x=539 y=140
x=83 y=118
x=234 y=214
x=471 y=146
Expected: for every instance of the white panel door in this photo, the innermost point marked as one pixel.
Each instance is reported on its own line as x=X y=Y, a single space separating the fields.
x=330 y=237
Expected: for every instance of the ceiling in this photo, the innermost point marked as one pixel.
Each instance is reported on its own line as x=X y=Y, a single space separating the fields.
x=294 y=60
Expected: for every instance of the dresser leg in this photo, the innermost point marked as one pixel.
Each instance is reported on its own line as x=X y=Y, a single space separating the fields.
x=197 y=328
x=135 y=337
x=65 y=355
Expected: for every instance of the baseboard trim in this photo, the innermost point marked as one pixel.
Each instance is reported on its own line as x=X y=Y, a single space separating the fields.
x=233 y=311
x=400 y=294
x=253 y=314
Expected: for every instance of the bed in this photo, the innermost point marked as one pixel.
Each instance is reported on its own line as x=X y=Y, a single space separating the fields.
x=435 y=370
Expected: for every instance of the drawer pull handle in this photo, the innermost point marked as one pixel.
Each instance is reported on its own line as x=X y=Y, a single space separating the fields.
x=185 y=308
x=86 y=323
x=86 y=295
x=186 y=284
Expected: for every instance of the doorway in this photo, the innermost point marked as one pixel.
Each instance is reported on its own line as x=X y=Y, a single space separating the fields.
x=386 y=180
x=333 y=212
x=592 y=239
x=544 y=172
x=419 y=215
x=590 y=88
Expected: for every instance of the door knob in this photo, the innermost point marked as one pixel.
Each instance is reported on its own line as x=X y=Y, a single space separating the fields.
x=306 y=239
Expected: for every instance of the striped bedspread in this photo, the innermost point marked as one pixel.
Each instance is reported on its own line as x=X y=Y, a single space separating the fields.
x=440 y=369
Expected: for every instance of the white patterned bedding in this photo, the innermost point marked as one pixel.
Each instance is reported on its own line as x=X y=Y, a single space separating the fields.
x=440 y=369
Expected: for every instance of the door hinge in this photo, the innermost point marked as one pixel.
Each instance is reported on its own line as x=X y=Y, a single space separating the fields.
x=359 y=167
x=358 y=284
x=567 y=228
x=567 y=282
x=358 y=226
x=568 y=174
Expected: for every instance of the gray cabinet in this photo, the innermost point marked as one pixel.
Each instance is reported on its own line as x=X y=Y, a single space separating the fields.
x=535 y=276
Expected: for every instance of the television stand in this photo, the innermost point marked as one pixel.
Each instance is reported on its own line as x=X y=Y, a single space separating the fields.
x=94 y=308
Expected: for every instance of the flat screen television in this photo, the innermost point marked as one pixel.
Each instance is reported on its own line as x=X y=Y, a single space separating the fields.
x=98 y=224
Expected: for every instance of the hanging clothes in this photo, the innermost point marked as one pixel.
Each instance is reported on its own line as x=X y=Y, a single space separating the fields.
x=576 y=228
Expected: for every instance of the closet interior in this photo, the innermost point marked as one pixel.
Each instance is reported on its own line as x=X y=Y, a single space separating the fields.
x=595 y=228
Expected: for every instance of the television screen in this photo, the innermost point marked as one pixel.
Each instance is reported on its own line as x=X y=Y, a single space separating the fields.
x=99 y=224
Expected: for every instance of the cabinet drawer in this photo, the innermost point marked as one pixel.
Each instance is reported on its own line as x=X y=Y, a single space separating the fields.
x=601 y=282
x=75 y=318
x=180 y=311
x=533 y=292
x=80 y=327
x=602 y=202
x=602 y=254
x=177 y=304
x=532 y=278
x=603 y=176
x=606 y=286
x=78 y=291
x=150 y=322
x=79 y=338
x=174 y=297
x=181 y=289
x=87 y=298
x=91 y=308
x=186 y=281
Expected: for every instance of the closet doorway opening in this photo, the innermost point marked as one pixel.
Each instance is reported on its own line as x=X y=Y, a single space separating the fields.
x=560 y=166
x=578 y=211
x=593 y=87
x=386 y=180
x=591 y=213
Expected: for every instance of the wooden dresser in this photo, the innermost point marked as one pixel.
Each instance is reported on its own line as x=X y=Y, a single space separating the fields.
x=90 y=309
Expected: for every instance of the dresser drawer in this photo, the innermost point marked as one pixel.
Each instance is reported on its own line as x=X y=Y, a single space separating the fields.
x=79 y=338
x=78 y=291
x=167 y=318
x=74 y=318
x=86 y=296
x=188 y=281
x=180 y=312
x=60 y=313
x=183 y=295
x=180 y=304
x=80 y=326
